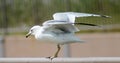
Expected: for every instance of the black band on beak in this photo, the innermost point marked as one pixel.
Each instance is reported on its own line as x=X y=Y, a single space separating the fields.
x=28 y=35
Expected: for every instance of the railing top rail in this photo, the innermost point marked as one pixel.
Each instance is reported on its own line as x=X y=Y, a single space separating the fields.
x=85 y=59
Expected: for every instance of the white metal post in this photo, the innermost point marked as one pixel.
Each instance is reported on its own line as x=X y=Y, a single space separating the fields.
x=1 y=47
x=66 y=50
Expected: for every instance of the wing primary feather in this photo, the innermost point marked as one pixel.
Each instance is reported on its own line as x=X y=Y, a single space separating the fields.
x=86 y=24
x=105 y=16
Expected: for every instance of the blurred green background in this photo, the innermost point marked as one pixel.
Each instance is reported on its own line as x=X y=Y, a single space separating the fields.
x=19 y=15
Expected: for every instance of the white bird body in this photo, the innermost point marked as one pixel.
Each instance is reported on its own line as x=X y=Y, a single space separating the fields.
x=61 y=29
x=51 y=34
x=57 y=38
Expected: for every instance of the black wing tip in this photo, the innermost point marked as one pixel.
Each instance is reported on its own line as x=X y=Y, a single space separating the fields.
x=105 y=16
x=87 y=24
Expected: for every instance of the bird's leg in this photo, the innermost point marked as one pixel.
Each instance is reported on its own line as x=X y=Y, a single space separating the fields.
x=56 y=54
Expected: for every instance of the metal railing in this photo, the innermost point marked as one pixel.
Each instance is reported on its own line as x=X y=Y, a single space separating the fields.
x=63 y=60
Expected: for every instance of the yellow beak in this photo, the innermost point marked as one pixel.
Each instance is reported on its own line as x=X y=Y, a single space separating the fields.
x=27 y=35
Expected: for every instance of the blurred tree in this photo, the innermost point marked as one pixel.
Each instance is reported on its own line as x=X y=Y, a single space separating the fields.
x=5 y=17
x=31 y=12
x=36 y=5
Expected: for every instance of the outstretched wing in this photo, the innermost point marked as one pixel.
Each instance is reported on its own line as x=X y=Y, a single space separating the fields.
x=70 y=16
x=60 y=26
x=76 y=14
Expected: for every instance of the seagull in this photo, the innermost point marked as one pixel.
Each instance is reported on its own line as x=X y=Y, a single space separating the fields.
x=61 y=29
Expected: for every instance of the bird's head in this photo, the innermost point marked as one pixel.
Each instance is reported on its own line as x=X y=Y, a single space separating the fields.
x=33 y=30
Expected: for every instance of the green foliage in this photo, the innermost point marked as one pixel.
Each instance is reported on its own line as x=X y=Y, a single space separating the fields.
x=31 y=11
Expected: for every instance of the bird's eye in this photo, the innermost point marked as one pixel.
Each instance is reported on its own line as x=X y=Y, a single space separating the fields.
x=31 y=30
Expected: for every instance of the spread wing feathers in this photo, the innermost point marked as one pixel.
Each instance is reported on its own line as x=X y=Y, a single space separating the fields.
x=85 y=14
x=86 y=24
x=70 y=16
x=63 y=26
x=60 y=26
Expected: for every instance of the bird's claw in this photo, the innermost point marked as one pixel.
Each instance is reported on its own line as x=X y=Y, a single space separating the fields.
x=51 y=57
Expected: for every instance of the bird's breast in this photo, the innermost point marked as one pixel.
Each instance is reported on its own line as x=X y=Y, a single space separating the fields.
x=59 y=39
